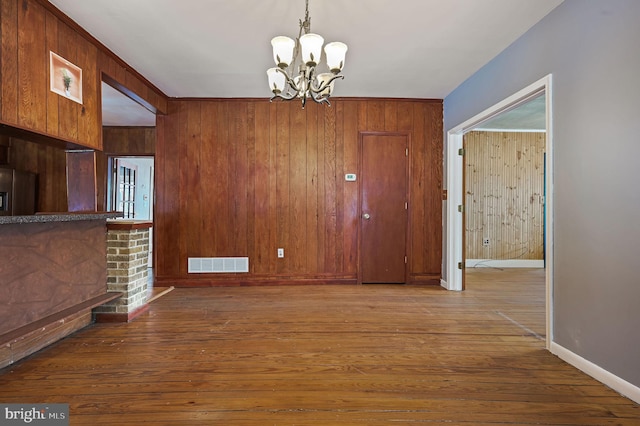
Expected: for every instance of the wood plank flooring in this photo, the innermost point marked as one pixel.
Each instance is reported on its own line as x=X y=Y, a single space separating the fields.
x=323 y=355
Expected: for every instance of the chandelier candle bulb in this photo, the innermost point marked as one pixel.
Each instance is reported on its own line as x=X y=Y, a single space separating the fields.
x=335 y=53
x=325 y=84
x=311 y=48
x=282 y=51
x=276 y=79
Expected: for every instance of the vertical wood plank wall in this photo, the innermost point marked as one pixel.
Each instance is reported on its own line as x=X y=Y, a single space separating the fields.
x=504 y=183
x=245 y=177
x=28 y=33
x=48 y=163
x=126 y=140
x=29 y=30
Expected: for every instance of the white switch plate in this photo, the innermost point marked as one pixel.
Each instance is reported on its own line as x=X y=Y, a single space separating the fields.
x=280 y=253
x=350 y=177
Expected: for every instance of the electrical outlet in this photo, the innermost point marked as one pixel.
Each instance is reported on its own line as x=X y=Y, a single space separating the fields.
x=280 y=253
x=485 y=242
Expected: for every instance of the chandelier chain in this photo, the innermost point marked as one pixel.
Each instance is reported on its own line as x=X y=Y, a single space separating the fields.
x=306 y=24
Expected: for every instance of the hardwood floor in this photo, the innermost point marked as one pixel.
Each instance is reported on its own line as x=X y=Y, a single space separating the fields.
x=323 y=355
x=516 y=294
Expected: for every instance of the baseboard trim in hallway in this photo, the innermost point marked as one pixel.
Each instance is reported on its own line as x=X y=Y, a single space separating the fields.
x=600 y=374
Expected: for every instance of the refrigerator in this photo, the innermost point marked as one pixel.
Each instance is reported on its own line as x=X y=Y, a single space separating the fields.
x=17 y=192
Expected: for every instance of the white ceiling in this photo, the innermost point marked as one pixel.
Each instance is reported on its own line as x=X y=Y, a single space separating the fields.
x=221 y=48
x=119 y=110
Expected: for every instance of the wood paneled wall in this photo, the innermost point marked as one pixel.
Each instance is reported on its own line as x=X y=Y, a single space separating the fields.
x=48 y=163
x=244 y=177
x=48 y=268
x=40 y=123
x=129 y=140
x=29 y=32
x=504 y=185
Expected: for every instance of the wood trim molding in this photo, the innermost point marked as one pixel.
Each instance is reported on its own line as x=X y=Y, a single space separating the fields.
x=420 y=100
x=128 y=225
x=229 y=281
x=41 y=324
x=333 y=99
x=15 y=131
x=129 y=93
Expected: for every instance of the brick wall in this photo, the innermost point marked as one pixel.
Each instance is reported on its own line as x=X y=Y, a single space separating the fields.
x=127 y=269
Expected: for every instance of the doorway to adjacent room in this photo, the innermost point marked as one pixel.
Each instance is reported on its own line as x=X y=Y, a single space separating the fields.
x=130 y=190
x=455 y=229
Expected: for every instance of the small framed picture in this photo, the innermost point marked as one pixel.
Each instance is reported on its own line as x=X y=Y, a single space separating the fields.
x=65 y=78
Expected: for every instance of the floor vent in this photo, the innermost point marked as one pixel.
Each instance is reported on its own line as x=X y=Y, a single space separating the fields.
x=207 y=265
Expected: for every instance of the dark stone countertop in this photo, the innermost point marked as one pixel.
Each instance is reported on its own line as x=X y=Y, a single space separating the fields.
x=58 y=217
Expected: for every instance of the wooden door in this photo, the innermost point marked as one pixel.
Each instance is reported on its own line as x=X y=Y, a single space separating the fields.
x=383 y=207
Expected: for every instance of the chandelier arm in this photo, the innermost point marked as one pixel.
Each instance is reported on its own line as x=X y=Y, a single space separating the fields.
x=315 y=94
x=320 y=99
x=291 y=83
x=291 y=87
x=287 y=97
x=325 y=84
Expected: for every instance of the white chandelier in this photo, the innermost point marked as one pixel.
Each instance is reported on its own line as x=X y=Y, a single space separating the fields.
x=308 y=83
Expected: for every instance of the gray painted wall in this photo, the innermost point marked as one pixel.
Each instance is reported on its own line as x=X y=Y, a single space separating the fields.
x=592 y=49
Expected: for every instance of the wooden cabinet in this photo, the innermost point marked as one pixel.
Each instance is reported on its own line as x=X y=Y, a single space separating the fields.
x=28 y=33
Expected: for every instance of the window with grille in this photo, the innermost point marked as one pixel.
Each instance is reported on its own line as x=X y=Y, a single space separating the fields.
x=126 y=191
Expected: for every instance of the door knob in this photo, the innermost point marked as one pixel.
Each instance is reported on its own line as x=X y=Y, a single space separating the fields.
x=366 y=216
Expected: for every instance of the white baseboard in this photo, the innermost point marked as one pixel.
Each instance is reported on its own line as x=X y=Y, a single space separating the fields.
x=507 y=263
x=444 y=284
x=619 y=385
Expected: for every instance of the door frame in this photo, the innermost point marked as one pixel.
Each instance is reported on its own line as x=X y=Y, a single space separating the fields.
x=407 y=250
x=454 y=164
x=111 y=159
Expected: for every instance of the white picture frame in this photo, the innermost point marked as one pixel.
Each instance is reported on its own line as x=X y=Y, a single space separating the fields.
x=65 y=78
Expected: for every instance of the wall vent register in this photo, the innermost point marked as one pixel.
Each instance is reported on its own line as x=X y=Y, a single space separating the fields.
x=206 y=265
